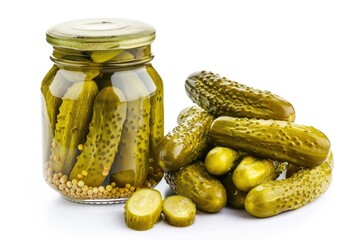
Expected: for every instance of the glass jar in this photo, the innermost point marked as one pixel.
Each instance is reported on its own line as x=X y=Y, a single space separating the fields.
x=102 y=110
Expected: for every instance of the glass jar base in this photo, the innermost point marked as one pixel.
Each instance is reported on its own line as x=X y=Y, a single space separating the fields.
x=96 y=201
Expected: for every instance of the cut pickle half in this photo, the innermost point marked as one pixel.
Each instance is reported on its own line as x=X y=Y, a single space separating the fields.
x=143 y=209
x=179 y=211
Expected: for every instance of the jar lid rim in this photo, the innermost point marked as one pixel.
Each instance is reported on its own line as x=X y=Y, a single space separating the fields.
x=101 y=34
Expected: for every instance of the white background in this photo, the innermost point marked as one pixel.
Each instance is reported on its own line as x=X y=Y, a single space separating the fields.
x=305 y=51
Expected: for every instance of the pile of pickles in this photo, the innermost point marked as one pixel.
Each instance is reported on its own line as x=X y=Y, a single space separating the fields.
x=101 y=123
x=240 y=146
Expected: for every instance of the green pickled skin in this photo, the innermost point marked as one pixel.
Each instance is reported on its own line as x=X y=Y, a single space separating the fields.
x=277 y=196
x=187 y=112
x=221 y=160
x=235 y=197
x=194 y=182
x=53 y=88
x=157 y=110
x=278 y=140
x=154 y=86
x=185 y=143
x=95 y=161
x=252 y=171
x=132 y=160
x=72 y=125
x=223 y=97
x=50 y=109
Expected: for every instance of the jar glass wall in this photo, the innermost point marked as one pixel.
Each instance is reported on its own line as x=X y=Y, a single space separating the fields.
x=102 y=117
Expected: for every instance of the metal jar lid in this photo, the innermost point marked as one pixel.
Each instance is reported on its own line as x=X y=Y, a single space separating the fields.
x=101 y=34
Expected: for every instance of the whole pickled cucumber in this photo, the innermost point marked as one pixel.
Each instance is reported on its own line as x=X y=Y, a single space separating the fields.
x=96 y=158
x=194 y=182
x=252 y=171
x=277 y=196
x=72 y=125
x=223 y=97
x=278 y=140
x=185 y=143
x=157 y=110
x=154 y=86
x=53 y=88
x=50 y=109
x=132 y=160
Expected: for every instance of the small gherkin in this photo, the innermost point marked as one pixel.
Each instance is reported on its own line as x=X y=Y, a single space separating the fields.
x=194 y=182
x=187 y=142
x=95 y=161
x=53 y=87
x=223 y=97
x=72 y=125
x=252 y=171
x=132 y=160
x=154 y=86
x=277 y=196
x=51 y=110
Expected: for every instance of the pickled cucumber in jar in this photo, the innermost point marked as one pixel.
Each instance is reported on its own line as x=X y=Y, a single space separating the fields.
x=102 y=111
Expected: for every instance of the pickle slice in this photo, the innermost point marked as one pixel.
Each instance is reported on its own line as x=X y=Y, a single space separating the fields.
x=179 y=210
x=143 y=209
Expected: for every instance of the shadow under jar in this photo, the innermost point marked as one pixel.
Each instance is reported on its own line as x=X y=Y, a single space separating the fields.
x=102 y=110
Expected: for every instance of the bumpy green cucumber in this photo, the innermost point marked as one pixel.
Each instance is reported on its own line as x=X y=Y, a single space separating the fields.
x=50 y=109
x=194 y=182
x=132 y=160
x=223 y=97
x=96 y=158
x=154 y=86
x=187 y=112
x=157 y=110
x=72 y=125
x=235 y=197
x=277 y=196
x=185 y=143
x=53 y=88
x=252 y=171
x=278 y=140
